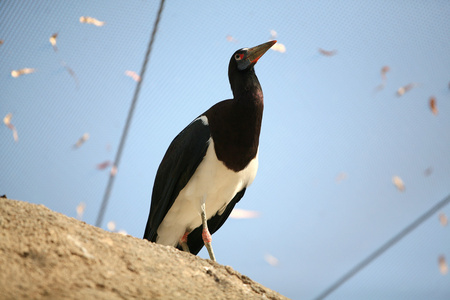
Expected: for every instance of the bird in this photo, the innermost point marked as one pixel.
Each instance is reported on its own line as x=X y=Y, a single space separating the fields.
x=210 y=163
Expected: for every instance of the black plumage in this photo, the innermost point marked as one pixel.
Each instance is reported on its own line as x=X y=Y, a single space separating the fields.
x=229 y=131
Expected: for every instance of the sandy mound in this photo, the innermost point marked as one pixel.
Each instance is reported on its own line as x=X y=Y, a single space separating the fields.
x=44 y=254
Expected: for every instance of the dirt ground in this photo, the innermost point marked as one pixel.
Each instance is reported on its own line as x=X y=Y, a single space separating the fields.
x=47 y=255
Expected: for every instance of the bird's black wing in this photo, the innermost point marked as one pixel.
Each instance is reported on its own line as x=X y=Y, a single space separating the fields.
x=181 y=160
x=195 y=241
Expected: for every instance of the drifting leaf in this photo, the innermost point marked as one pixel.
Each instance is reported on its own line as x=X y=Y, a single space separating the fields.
x=111 y=226
x=402 y=90
x=17 y=73
x=231 y=39
x=341 y=176
x=71 y=72
x=279 y=48
x=398 y=182
x=271 y=260
x=433 y=106
x=384 y=70
x=327 y=53
x=52 y=40
x=443 y=267
x=81 y=140
x=7 y=121
x=133 y=75
x=273 y=34
x=104 y=165
x=238 y=213
x=379 y=87
x=80 y=210
x=93 y=21
x=113 y=171
x=443 y=219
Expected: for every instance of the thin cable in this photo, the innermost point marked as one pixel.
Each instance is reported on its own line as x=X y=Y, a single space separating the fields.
x=129 y=118
x=383 y=248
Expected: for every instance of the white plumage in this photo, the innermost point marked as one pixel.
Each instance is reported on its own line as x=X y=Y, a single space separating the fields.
x=212 y=183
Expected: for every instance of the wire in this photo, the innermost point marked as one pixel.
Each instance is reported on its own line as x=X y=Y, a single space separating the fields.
x=383 y=248
x=129 y=118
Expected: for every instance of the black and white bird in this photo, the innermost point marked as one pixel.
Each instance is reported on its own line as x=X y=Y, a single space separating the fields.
x=209 y=164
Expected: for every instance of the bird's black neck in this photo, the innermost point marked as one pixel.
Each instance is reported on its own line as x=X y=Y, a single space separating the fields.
x=246 y=87
x=236 y=124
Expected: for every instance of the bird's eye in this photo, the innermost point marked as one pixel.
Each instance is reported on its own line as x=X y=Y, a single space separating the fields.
x=239 y=56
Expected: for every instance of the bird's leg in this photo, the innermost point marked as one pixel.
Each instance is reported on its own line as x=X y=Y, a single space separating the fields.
x=206 y=235
x=183 y=242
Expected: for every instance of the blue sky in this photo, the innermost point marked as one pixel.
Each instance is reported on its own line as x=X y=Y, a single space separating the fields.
x=323 y=118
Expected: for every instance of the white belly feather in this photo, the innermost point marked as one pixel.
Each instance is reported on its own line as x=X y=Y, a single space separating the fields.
x=213 y=183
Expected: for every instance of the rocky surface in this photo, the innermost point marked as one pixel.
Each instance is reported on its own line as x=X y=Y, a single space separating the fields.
x=46 y=255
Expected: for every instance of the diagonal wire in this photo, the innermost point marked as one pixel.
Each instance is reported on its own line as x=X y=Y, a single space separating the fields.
x=129 y=118
x=408 y=229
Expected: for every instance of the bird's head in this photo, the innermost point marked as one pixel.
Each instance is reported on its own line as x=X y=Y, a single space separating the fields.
x=240 y=70
x=245 y=58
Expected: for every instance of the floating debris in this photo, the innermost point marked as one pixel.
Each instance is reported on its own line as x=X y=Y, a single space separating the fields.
x=231 y=39
x=402 y=90
x=238 y=213
x=103 y=165
x=443 y=219
x=271 y=260
x=398 y=182
x=71 y=72
x=327 y=52
x=443 y=267
x=384 y=70
x=1 y=42
x=428 y=171
x=81 y=140
x=433 y=106
x=7 y=121
x=80 y=210
x=341 y=177
x=279 y=48
x=17 y=73
x=133 y=75
x=111 y=225
x=93 y=21
x=52 y=40
x=273 y=34
x=113 y=171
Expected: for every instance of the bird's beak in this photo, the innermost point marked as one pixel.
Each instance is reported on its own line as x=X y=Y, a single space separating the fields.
x=255 y=53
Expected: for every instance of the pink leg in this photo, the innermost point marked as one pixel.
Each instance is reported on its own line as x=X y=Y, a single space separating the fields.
x=183 y=242
x=206 y=235
x=207 y=238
